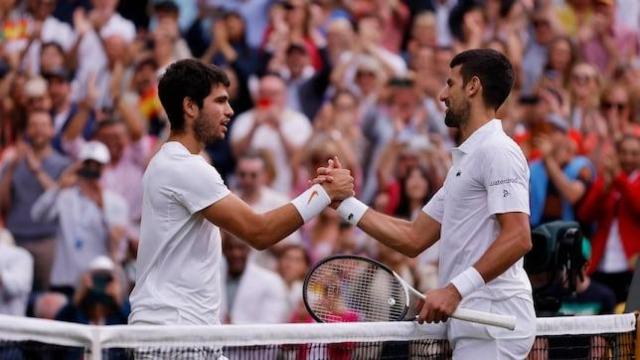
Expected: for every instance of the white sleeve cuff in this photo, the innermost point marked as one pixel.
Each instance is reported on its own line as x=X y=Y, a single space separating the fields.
x=311 y=202
x=352 y=210
x=468 y=281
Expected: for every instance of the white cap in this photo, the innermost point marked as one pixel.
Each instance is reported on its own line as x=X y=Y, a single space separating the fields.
x=102 y=263
x=95 y=150
x=35 y=87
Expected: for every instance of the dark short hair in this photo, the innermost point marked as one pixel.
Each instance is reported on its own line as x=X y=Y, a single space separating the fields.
x=492 y=68
x=167 y=6
x=187 y=78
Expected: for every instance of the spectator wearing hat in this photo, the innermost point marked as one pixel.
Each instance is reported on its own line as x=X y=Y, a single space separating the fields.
x=16 y=275
x=124 y=135
x=613 y=202
x=34 y=169
x=91 y=221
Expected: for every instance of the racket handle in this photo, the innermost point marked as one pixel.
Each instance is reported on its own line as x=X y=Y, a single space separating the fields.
x=481 y=317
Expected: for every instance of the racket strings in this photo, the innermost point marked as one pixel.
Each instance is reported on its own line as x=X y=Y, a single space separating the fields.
x=348 y=289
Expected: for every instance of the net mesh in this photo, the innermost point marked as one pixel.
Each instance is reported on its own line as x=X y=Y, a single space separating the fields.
x=589 y=337
x=347 y=289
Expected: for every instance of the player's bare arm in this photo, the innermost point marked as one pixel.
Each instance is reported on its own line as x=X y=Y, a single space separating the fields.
x=512 y=243
x=264 y=230
x=408 y=238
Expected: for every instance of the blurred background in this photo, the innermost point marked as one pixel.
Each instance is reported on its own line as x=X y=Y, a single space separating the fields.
x=359 y=79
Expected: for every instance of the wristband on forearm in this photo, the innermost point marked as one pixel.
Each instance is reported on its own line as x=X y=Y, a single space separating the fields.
x=311 y=202
x=352 y=210
x=468 y=281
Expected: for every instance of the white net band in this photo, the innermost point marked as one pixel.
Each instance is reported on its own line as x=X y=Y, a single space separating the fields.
x=614 y=335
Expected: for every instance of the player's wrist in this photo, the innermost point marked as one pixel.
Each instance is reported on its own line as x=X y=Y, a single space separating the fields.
x=311 y=202
x=468 y=281
x=352 y=210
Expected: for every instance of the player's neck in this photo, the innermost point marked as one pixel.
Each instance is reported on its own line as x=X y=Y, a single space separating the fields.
x=477 y=119
x=187 y=140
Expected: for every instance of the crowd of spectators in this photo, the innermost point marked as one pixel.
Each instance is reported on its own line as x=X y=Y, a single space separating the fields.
x=310 y=79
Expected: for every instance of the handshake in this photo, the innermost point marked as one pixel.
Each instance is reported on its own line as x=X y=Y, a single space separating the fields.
x=332 y=186
x=336 y=181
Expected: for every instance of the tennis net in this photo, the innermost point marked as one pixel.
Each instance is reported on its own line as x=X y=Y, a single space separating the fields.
x=589 y=337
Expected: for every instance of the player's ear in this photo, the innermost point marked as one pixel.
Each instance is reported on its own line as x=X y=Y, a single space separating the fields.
x=189 y=107
x=473 y=86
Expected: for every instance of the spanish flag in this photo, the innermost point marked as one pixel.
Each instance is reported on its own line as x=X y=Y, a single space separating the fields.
x=149 y=103
x=15 y=30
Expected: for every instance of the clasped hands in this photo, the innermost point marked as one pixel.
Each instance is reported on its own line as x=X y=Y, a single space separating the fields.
x=336 y=180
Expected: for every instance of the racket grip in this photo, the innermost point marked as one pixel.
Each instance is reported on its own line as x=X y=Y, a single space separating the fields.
x=485 y=318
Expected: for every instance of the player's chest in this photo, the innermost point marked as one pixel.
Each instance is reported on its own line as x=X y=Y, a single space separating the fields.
x=464 y=185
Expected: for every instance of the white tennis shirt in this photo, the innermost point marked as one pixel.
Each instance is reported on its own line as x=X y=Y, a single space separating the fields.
x=489 y=176
x=178 y=265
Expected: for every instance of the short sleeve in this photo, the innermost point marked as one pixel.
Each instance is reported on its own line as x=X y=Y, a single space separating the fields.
x=506 y=178
x=198 y=185
x=435 y=206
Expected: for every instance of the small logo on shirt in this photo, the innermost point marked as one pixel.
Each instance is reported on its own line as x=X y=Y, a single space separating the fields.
x=313 y=194
x=505 y=193
x=350 y=217
x=459 y=173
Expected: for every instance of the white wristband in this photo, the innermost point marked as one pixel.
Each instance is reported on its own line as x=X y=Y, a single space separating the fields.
x=352 y=210
x=311 y=202
x=468 y=281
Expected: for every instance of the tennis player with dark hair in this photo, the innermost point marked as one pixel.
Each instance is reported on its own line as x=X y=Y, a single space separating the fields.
x=185 y=202
x=480 y=216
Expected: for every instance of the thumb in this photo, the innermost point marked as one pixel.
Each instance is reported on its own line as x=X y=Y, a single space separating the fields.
x=332 y=165
x=338 y=165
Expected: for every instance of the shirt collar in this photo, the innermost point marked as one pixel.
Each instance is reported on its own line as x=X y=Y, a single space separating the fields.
x=478 y=136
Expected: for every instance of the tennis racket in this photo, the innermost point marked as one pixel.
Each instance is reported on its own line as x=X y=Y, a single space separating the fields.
x=348 y=288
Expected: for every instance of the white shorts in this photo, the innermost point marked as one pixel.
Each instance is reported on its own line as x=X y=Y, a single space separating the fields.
x=475 y=341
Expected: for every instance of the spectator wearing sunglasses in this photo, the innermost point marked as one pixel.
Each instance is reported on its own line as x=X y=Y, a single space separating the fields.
x=617 y=111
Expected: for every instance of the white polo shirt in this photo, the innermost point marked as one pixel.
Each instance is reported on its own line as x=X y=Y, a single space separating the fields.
x=180 y=254
x=489 y=176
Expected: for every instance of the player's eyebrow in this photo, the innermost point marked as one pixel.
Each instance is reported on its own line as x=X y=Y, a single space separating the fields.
x=221 y=98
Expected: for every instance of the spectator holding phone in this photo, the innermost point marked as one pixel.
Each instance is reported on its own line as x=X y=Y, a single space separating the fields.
x=274 y=127
x=99 y=299
x=91 y=221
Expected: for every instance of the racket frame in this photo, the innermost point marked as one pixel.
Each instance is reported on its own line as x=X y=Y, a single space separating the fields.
x=405 y=287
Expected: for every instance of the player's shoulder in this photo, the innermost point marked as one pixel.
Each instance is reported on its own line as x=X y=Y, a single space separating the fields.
x=173 y=165
x=500 y=145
